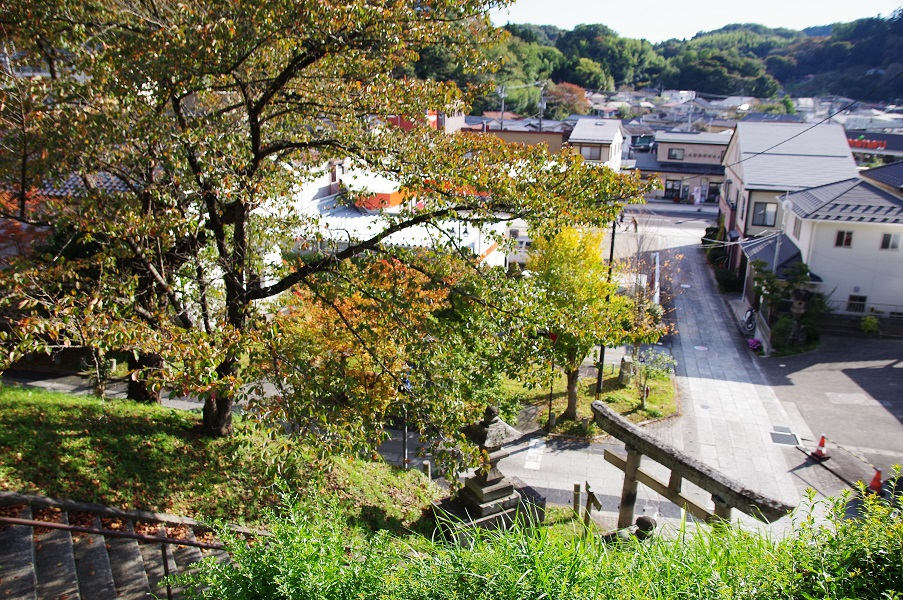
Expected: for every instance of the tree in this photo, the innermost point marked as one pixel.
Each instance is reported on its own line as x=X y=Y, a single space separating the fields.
x=572 y=275
x=566 y=99
x=209 y=115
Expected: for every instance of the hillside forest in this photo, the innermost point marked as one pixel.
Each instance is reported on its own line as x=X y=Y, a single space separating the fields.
x=862 y=60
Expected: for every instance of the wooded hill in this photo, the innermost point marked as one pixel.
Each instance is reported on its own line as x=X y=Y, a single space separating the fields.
x=862 y=59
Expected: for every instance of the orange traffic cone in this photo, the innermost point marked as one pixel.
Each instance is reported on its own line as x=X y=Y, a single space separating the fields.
x=821 y=453
x=875 y=486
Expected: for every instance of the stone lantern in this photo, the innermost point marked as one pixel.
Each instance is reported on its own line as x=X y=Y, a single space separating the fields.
x=488 y=491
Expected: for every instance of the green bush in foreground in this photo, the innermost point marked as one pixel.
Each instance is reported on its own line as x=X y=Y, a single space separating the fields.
x=312 y=555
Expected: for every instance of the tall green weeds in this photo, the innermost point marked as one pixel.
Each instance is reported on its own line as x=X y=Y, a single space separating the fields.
x=313 y=555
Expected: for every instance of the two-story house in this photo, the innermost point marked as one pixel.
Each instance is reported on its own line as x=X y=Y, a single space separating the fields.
x=765 y=161
x=599 y=141
x=850 y=234
x=689 y=165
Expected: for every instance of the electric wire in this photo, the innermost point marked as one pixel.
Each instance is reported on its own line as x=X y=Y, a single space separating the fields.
x=830 y=116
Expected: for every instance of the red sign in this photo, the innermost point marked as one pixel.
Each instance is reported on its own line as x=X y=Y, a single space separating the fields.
x=867 y=144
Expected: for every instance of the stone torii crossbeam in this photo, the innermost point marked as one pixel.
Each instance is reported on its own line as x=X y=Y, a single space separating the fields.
x=726 y=493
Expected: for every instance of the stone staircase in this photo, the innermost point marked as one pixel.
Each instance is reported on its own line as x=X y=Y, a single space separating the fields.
x=62 y=550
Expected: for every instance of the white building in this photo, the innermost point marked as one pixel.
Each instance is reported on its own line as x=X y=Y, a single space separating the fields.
x=599 y=141
x=850 y=234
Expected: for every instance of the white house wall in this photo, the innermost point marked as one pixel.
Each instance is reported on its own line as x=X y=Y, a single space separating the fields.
x=862 y=269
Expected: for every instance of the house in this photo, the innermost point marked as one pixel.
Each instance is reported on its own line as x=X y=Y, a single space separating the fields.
x=678 y=96
x=599 y=141
x=637 y=138
x=850 y=234
x=765 y=161
x=689 y=165
x=761 y=117
x=334 y=221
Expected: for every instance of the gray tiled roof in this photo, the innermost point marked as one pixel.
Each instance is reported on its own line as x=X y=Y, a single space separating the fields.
x=600 y=131
x=647 y=162
x=683 y=137
x=891 y=175
x=75 y=186
x=764 y=249
x=851 y=200
x=793 y=156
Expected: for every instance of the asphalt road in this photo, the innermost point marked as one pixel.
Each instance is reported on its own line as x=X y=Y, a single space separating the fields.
x=851 y=390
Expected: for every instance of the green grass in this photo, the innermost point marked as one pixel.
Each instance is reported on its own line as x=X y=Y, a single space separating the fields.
x=136 y=456
x=312 y=555
x=624 y=400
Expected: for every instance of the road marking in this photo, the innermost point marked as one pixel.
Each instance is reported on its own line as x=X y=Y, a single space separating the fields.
x=534 y=454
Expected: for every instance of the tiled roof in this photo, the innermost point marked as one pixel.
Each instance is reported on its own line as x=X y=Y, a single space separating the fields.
x=764 y=249
x=74 y=185
x=647 y=162
x=600 y=131
x=891 y=175
x=757 y=117
x=852 y=200
x=793 y=156
x=683 y=137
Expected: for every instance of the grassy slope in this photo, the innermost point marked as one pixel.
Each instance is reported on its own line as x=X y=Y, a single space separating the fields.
x=136 y=456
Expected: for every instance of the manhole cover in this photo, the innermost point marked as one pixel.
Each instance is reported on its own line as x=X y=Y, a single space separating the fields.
x=782 y=429
x=788 y=439
x=854 y=398
x=706 y=406
x=701 y=348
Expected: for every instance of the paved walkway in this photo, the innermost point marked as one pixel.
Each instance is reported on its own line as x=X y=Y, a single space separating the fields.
x=728 y=414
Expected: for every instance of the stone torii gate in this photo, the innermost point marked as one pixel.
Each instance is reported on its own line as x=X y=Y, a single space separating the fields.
x=726 y=493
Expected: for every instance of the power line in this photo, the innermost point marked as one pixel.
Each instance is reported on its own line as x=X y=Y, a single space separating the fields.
x=796 y=135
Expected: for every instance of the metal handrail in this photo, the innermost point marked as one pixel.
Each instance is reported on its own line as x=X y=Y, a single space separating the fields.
x=111 y=533
x=139 y=537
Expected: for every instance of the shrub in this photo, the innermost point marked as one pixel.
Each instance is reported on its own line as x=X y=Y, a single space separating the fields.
x=781 y=332
x=869 y=324
x=716 y=255
x=728 y=281
x=754 y=344
x=711 y=234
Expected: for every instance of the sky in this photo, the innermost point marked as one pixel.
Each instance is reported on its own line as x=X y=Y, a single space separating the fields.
x=659 y=20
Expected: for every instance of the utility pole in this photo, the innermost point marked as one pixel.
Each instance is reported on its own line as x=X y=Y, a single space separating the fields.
x=542 y=102
x=500 y=90
x=600 y=367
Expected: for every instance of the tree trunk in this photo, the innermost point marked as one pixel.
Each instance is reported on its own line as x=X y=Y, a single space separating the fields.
x=573 y=377
x=138 y=388
x=218 y=415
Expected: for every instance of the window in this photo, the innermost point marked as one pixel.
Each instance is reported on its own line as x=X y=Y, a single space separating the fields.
x=797 y=227
x=675 y=153
x=672 y=188
x=844 y=239
x=890 y=241
x=856 y=303
x=764 y=214
x=591 y=152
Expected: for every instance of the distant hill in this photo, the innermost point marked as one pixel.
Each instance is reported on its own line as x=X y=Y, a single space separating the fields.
x=861 y=59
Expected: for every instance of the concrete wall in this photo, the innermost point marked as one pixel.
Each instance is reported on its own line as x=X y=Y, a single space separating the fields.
x=697 y=154
x=553 y=139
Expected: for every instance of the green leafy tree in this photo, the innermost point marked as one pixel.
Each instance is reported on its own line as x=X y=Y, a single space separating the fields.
x=571 y=273
x=209 y=116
